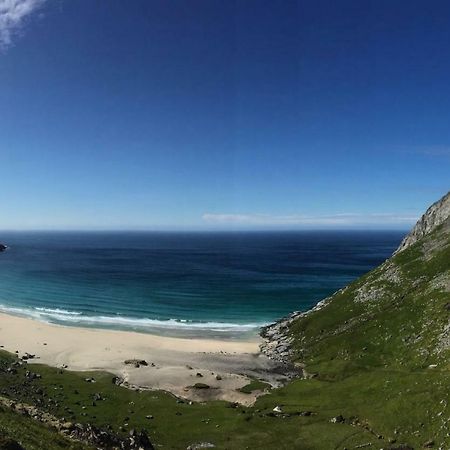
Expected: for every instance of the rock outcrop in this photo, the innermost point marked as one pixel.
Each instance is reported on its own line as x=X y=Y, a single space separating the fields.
x=435 y=215
x=85 y=433
x=277 y=343
x=276 y=340
x=3 y=247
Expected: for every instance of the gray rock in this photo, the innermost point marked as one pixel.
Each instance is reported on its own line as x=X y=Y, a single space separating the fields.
x=435 y=215
x=337 y=419
x=136 y=362
x=200 y=446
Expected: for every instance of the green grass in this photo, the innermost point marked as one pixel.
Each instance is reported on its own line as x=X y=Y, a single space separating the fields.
x=371 y=360
x=372 y=357
x=381 y=399
x=31 y=434
x=255 y=385
x=217 y=422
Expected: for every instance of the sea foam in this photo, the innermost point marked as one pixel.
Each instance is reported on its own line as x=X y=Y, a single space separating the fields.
x=56 y=315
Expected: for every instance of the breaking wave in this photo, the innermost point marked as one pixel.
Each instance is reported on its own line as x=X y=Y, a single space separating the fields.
x=62 y=316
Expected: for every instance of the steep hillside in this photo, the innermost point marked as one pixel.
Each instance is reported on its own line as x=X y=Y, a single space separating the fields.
x=398 y=311
x=381 y=345
x=435 y=215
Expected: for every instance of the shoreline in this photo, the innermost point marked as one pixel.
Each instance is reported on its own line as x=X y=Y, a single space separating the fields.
x=184 y=329
x=173 y=363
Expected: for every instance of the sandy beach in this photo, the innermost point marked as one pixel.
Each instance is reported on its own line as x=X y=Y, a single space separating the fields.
x=173 y=363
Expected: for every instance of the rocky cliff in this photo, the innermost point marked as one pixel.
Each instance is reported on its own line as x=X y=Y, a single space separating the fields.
x=435 y=215
x=379 y=286
x=379 y=349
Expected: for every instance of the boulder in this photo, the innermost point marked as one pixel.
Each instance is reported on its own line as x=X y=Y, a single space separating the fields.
x=136 y=362
x=201 y=386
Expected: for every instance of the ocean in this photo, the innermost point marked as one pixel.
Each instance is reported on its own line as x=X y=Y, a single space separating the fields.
x=224 y=285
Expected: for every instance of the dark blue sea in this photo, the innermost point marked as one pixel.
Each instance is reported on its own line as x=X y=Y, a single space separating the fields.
x=194 y=284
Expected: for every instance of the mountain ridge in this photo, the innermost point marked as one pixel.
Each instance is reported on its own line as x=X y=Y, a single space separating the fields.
x=434 y=216
x=277 y=343
x=379 y=348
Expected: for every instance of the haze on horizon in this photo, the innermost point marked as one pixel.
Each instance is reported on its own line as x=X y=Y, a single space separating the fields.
x=211 y=115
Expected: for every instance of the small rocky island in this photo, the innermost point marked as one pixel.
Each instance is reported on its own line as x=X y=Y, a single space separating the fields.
x=3 y=247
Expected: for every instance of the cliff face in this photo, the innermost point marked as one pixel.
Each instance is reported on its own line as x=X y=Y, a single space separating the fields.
x=380 y=347
x=395 y=279
x=435 y=215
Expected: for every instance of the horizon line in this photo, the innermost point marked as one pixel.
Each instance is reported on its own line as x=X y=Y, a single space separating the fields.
x=203 y=230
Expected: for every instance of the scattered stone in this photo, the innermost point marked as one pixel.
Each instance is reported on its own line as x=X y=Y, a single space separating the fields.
x=136 y=362
x=337 y=419
x=67 y=426
x=200 y=446
x=277 y=409
x=233 y=405
x=27 y=356
x=86 y=433
x=117 y=381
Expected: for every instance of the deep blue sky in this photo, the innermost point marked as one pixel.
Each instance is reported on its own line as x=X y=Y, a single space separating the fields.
x=218 y=114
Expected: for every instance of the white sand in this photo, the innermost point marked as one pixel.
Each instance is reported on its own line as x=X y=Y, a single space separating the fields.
x=93 y=349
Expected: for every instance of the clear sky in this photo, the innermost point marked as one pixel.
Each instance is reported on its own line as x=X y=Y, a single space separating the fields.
x=216 y=114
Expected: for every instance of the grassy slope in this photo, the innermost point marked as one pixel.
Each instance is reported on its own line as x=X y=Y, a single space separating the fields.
x=371 y=359
x=175 y=425
x=31 y=435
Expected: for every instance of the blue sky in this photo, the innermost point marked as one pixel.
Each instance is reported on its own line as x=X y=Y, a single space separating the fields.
x=215 y=115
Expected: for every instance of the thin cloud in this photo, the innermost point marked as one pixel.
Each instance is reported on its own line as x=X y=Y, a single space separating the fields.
x=13 y=14
x=432 y=151
x=437 y=152
x=298 y=220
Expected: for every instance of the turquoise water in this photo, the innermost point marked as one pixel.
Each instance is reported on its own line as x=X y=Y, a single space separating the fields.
x=194 y=284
